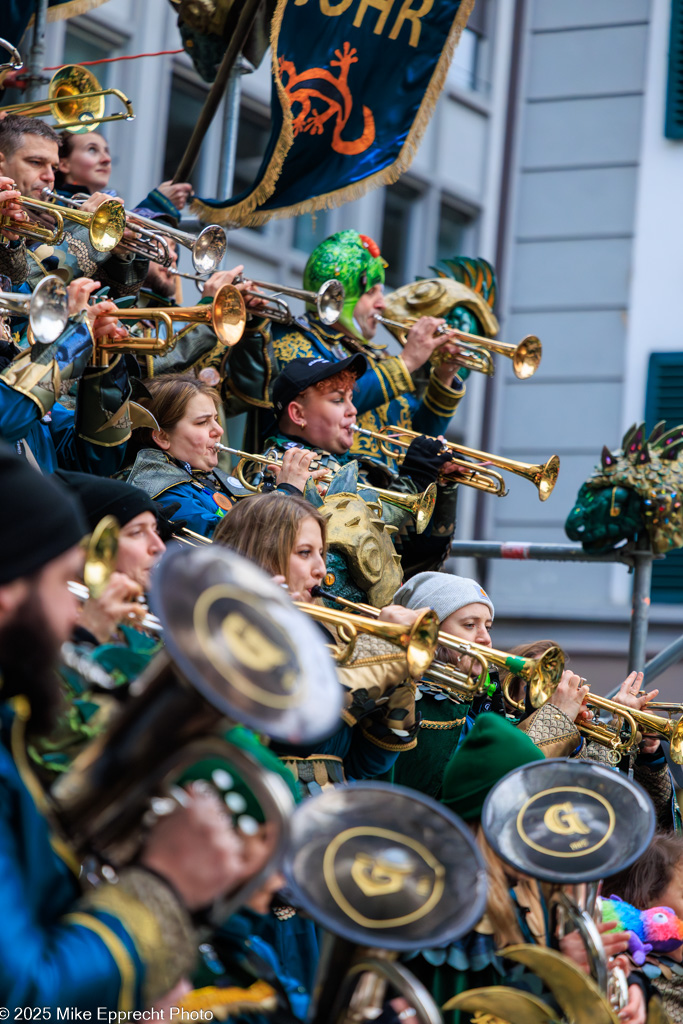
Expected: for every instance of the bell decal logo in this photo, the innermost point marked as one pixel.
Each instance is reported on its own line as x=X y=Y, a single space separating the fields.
x=564 y=820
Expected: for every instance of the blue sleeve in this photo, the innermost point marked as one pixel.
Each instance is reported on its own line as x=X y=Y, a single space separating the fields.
x=427 y=422
x=17 y=414
x=74 y=453
x=365 y=760
x=382 y=382
x=83 y=959
x=199 y=510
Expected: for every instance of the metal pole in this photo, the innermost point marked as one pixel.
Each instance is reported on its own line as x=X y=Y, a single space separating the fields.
x=664 y=660
x=231 y=115
x=640 y=604
x=37 y=59
x=539 y=552
x=215 y=94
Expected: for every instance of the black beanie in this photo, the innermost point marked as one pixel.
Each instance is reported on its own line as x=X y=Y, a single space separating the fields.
x=99 y=496
x=41 y=520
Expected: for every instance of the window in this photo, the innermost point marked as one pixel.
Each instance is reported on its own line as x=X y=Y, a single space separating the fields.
x=664 y=401
x=400 y=207
x=186 y=101
x=310 y=229
x=454 y=232
x=252 y=138
x=469 y=69
x=79 y=47
x=673 y=128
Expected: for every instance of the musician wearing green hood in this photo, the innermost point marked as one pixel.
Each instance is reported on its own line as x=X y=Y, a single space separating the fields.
x=386 y=390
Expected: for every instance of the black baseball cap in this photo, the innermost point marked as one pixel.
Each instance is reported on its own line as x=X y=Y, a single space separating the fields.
x=303 y=373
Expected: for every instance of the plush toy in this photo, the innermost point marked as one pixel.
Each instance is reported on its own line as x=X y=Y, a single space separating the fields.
x=657 y=929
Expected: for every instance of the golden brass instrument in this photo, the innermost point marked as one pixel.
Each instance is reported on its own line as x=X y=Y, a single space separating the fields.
x=672 y=731
x=419 y=641
x=476 y=353
x=543 y=476
x=75 y=100
x=105 y=225
x=420 y=506
x=545 y=671
x=328 y=300
x=226 y=315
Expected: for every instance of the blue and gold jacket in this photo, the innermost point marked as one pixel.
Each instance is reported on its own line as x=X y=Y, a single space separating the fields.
x=385 y=394
x=61 y=948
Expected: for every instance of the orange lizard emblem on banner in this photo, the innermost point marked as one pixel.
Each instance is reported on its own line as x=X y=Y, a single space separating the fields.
x=334 y=93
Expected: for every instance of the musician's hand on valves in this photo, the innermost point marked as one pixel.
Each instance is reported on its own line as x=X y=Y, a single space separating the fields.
x=96 y=199
x=421 y=341
x=400 y=616
x=635 y=1011
x=9 y=194
x=615 y=942
x=103 y=325
x=628 y=695
x=296 y=468
x=117 y=605
x=79 y=292
x=196 y=849
x=570 y=695
x=449 y=362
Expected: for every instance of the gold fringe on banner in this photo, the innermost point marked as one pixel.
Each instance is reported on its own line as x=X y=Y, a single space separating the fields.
x=69 y=10
x=244 y=214
x=238 y=215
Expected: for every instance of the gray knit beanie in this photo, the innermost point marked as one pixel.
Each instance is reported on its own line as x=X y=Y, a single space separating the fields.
x=442 y=592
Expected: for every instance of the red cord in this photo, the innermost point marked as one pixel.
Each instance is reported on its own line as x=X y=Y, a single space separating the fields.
x=109 y=60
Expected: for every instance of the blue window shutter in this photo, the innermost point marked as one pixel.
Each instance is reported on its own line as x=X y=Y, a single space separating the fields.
x=673 y=128
x=664 y=401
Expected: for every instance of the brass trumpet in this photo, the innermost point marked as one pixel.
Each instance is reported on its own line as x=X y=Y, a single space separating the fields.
x=544 y=671
x=328 y=300
x=47 y=308
x=226 y=315
x=105 y=225
x=419 y=641
x=15 y=61
x=419 y=506
x=208 y=247
x=526 y=356
x=542 y=475
x=75 y=100
x=672 y=731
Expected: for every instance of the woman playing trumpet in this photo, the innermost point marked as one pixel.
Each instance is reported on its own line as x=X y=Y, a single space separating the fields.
x=176 y=462
x=286 y=536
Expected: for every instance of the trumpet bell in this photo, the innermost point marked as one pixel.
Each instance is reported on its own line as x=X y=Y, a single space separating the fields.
x=209 y=249
x=330 y=301
x=49 y=309
x=69 y=99
x=107 y=225
x=527 y=357
x=546 y=478
x=229 y=315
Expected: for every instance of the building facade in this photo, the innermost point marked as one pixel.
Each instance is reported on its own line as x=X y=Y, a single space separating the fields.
x=547 y=155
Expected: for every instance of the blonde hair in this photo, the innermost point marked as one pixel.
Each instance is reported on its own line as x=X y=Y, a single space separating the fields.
x=500 y=907
x=264 y=529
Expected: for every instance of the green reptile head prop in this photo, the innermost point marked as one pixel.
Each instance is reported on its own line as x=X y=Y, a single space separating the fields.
x=638 y=487
x=354 y=260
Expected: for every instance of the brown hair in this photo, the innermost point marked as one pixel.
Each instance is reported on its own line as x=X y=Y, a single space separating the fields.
x=264 y=528
x=15 y=126
x=644 y=882
x=534 y=649
x=169 y=396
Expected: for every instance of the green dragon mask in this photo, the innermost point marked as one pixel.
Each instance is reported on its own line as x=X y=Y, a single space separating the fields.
x=637 y=487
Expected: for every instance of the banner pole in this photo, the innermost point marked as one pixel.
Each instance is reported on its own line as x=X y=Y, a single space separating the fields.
x=37 y=59
x=215 y=94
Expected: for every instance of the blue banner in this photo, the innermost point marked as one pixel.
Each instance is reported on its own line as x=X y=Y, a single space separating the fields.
x=355 y=83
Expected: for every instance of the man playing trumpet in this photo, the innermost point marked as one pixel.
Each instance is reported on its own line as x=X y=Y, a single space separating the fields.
x=386 y=390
